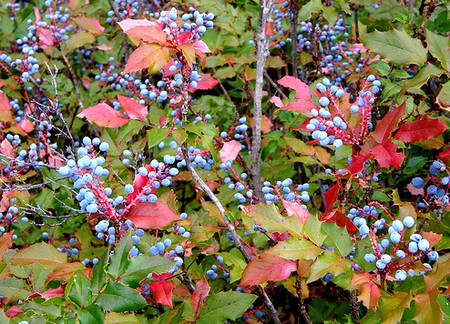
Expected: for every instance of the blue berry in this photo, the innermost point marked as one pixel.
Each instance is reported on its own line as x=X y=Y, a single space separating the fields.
x=408 y=221
x=417 y=183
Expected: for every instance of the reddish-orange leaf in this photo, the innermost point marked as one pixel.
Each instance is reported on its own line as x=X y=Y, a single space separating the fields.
x=46 y=39
x=149 y=34
x=188 y=53
x=5 y=243
x=444 y=156
x=139 y=183
x=5 y=109
x=104 y=115
x=295 y=209
x=386 y=155
x=207 y=83
x=388 y=124
x=361 y=278
x=133 y=109
x=230 y=151
x=92 y=25
x=162 y=292
x=341 y=220
x=331 y=196
x=257 y=272
x=432 y=238
x=128 y=24
x=7 y=149
x=420 y=130
x=358 y=163
x=139 y=59
x=277 y=102
x=200 y=293
x=52 y=293
x=151 y=215
x=369 y=295
x=13 y=311
x=301 y=88
x=299 y=105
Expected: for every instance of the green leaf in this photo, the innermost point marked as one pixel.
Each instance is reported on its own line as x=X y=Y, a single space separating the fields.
x=296 y=249
x=119 y=298
x=396 y=46
x=225 y=73
x=99 y=273
x=80 y=292
x=225 y=305
x=42 y=253
x=78 y=40
x=91 y=315
x=338 y=237
x=48 y=309
x=143 y=265
x=439 y=47
x=119 y=261
x=328 y=262
x=14 y=289
x=156 y=136
x=269 y=218
x=117 y=318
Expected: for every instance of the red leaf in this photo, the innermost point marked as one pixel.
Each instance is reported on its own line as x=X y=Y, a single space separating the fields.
x=148 y=56
x=104 y=47
x=104 y=115
x=358 y=163
x=207 y=83
x=444 y=156
x=139 y=184
x=26 y=125
x=151 y=215
x=46 y=39
x=420 y=130
x=230 y=151
x=201 y=292
x=386 y=155
x=257 y=272
x=277 y=102
x=163 y=121
x=301 y=88
x=5 y=109
x=294 y=208
x=128 y=24
x=331 y=196
x=52 y=293
x=201 y=47
x=388 y=124
x=7 y=149
x=300 y=105
x=149 y=34
x=92 y=25
x=13 y=312
x=162 y=292
x=277 y=237
x=369 y=295
x=133 y=109
x=341 y=220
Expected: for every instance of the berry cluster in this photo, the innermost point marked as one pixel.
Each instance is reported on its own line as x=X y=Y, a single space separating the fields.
x=330 y=124
x=434 y=190
x=392 y=251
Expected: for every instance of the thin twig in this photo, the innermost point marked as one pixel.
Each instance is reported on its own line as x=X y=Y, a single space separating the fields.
x=74 y=78
x=354 y=307
x=293 y=32
x=275 y=85
x=265 y=11
x=301 y=302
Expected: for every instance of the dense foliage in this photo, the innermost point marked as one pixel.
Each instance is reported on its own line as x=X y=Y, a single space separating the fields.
x=213 y=161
